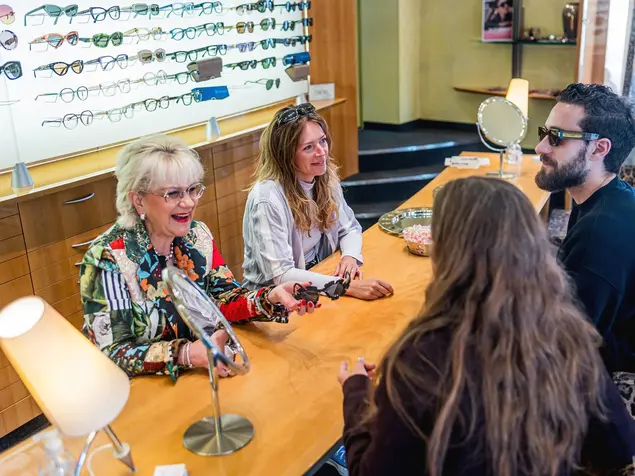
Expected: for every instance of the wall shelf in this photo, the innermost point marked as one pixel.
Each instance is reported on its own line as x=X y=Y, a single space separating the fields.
x=503 y=92
x=530 y=42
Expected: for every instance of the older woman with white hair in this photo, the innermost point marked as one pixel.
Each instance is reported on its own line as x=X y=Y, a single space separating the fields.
x=128 y=311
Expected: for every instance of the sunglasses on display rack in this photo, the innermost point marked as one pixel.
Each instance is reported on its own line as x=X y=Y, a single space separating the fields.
x=147 y=56
x=267 y=83
x=103 y=40
x=333 y=290
x=296 y=58
x=556 y=136
x=7 y=15
x=8 y=40
x=60 y=68
x=142 y=9
x=290 y=25
x=293 y=6
x=245 y=65
x=295 y=112
x=56 y=39
x=53 y=11
x=70 y=121
x=99 y=13
x=11 y=69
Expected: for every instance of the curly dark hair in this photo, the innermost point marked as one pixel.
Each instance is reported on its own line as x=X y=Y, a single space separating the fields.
x=605 y=113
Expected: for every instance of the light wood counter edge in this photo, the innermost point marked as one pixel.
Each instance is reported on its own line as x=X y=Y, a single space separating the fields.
x=54 y=176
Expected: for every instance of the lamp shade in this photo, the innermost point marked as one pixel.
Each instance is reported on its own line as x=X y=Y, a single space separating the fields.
x=518 y=93
x=78 y=388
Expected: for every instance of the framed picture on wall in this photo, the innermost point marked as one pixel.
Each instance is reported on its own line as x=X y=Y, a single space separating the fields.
x=498 y=20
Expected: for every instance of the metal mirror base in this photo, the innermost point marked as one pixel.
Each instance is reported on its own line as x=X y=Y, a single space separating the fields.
x=503 y=175
x=201 y=438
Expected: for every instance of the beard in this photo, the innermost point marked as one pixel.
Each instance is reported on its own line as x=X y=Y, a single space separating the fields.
x=562 y=176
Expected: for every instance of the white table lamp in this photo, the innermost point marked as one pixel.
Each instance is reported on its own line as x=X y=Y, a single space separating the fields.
x=79 y=389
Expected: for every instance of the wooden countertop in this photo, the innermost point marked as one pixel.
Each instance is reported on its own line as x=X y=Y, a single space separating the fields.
x=55 y=175
x=291 y=395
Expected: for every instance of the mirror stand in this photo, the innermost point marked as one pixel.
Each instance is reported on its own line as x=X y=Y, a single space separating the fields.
x=500 y=173
x=219 y=434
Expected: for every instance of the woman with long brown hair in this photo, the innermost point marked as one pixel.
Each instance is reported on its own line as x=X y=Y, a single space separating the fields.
x=296 y=214
x=500 y=374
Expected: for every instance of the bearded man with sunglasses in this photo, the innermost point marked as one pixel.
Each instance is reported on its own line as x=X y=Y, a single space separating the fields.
x=588 y=135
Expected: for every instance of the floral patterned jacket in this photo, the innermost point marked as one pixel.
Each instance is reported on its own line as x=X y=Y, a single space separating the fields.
x=128 y=313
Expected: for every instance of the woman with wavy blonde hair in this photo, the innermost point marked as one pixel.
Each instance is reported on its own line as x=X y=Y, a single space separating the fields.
x=296 y=214
x=500 y=374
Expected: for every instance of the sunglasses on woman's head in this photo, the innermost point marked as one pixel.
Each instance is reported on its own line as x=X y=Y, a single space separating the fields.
x=295 y=112
x=556 y=136
x=333 y=290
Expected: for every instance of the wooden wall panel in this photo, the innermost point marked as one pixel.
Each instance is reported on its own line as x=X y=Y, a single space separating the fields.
x=12 y=290
x=334 y=60
x=8 y=209
x=13 y=269
x=52 y=218
x=10 y=227
x=234 y=177
x=208 y=214
x=12 y=248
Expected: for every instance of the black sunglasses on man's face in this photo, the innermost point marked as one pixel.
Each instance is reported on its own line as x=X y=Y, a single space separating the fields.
x=556 y=136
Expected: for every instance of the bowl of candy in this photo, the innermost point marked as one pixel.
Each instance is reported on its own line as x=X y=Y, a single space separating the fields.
x=418 y=238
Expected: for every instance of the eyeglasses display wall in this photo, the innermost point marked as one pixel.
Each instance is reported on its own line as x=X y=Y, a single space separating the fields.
x=86 y=75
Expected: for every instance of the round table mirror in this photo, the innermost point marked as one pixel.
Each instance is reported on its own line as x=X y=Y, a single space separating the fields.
x=219 y=434
x=502 y=123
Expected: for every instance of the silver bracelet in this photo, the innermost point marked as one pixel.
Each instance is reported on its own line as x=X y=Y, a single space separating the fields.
x=188 y=362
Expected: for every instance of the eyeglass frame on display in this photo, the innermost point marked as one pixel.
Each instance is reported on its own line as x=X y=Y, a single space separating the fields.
x=268 y=85
x=45 y=39
x=57 y=17
x=69 y=66
x=3 y=68
x=14 y=37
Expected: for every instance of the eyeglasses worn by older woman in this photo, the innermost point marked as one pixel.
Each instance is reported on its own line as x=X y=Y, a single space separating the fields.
x=128 y=311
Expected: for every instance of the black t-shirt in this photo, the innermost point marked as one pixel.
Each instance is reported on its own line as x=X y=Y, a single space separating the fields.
x=599 y=254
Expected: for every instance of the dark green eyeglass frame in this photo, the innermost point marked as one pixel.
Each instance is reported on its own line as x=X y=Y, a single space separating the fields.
x=102 y=40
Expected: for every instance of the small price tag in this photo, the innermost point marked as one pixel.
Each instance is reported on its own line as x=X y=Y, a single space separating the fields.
x=467 y=162
x=322 y=91
x=171 y=470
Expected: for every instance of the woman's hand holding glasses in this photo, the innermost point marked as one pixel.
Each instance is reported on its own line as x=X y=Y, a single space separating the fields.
x=283 y=294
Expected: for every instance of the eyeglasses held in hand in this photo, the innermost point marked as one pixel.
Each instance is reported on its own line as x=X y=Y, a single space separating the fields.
x=556 y=136
x=333 y=290
x=70 y=121
x=294 y=112
x=8 y=40
x=60 y=68
x=175 y=196
x=56 y=39
x=53 y=11
x=7 y=15
x=11 y=69
x=267 y=83
x=99 y=13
